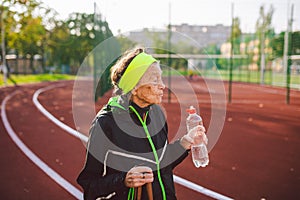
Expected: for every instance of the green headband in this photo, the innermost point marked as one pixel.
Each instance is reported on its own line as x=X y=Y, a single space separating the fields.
x=135 y=71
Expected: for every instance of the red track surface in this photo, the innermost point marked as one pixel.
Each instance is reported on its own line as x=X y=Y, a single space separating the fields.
x=256 y=157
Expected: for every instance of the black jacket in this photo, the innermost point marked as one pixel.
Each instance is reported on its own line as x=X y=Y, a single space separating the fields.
x=118 y=142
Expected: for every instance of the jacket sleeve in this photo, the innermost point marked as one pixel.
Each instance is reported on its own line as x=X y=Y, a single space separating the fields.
x=176 y=149
x=174 y=154
x=91 y=177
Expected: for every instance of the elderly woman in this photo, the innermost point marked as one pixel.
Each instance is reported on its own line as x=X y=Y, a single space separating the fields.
x=128 y=145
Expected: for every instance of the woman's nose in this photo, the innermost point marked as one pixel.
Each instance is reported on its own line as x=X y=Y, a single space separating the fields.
x=161 y=85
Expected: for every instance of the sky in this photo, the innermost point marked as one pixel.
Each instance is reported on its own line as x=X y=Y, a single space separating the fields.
x=130 y=15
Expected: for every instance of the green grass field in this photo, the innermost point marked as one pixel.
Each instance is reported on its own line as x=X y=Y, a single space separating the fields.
x=271 y=78
x=23 y=79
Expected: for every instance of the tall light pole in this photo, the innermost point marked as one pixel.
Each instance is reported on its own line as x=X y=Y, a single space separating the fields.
x=287 y=54
x=4 y=67
x=262 y=57
x=169 y=55
x=231 y=54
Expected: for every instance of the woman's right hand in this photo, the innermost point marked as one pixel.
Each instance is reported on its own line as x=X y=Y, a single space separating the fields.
x=194 y=136
x=138 y=176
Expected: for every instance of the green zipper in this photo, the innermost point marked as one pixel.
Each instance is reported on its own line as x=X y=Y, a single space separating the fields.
x=153 y=150
x=113 y=102
x=130 y=194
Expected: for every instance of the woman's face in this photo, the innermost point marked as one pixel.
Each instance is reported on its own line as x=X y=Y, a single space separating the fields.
x=150 y=87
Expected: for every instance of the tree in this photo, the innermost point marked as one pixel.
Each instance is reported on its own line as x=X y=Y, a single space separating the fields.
x=236 y=35
x=8 y=20
x=71 y=40
x=32 y=29
x=265 y=31
x=58 y=45
x=30 y=38
x=125 y=43
x=26 y=30
x=236 y=40
x=296 y=43
x=277 y=44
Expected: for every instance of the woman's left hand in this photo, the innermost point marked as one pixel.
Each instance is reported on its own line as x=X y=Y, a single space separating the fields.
x=138 y=176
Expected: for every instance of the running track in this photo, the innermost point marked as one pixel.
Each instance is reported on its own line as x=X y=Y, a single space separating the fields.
x=251 y=160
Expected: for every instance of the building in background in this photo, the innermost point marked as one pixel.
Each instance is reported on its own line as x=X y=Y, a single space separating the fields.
x=205 y=35
x=195 y=35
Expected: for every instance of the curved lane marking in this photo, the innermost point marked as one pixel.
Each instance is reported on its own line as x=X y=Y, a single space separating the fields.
x=39 y=106
x=34 y=158
x=81 y=136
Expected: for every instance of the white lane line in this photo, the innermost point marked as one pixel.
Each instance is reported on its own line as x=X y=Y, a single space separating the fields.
x=199 y=188
x=51 y=117
x=34 y=158
x=83 y=137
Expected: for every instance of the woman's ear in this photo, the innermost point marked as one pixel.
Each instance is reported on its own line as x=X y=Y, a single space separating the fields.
x=133 y=91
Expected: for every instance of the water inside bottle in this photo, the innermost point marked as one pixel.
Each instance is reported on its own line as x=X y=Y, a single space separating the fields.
x=200 y=156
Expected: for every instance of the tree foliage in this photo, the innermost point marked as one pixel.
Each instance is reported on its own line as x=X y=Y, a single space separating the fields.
x=71 y=40
x=277 y=44
x=32 y=29
x=296 y=43
x=236 y=35
x=264 y=29
x=125 y=43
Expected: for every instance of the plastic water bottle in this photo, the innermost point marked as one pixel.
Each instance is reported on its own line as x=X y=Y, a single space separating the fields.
x=199 y=150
